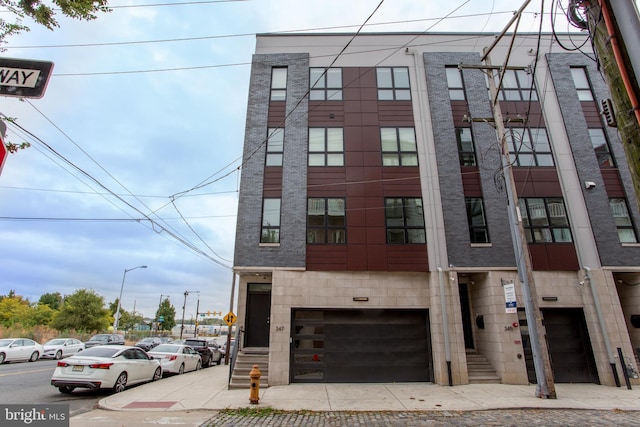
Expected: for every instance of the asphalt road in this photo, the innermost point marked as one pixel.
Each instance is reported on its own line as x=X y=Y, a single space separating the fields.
x=30 y=382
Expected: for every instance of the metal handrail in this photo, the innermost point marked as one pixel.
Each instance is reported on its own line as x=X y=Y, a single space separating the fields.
x=234 y=353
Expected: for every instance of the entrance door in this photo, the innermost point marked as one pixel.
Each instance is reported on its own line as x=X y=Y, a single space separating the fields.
x=258 y=312
x=465 y=311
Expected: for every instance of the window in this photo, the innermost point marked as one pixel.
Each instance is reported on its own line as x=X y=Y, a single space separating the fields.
x=275 y=146
x=626 y=232
x=516 y=86
x=529 y=147
x=398 y=147
x=404 y=220
x=545 y=220
x=326 y=222
x=581 y=82
x=326 y=147
x=326 y=84
x=278 y=84
x=454 y=83
x=393 y=83
x=601 y=147
x=270 y=221
x=466 y=150
x=478 y=230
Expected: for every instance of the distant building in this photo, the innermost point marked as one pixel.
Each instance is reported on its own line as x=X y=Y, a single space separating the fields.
x=369 y=186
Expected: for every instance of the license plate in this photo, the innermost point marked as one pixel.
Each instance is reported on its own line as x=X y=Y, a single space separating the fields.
x=77 y=368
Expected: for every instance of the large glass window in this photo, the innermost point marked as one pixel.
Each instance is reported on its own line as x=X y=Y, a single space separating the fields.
x=278 y=84
x=270 y=221
x=393 y=83
x=601 y=147
x=545 y=220
x=581 y=82
x=398 y=147
x=626 y=232
x=326 y=84
x=404 y=220
x=275 y=146
x=466 y=150
x=326 y=147
x=454 y=83
x=529 y=146
x=516 y=86
x=478 y=230
x=326 y=220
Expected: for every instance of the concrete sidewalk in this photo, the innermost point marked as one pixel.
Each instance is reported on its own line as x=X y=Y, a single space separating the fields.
x=199 y=395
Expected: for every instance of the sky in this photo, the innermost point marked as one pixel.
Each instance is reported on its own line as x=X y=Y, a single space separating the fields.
x=136 y=143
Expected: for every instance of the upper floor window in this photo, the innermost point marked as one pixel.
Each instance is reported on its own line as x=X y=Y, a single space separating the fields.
x=326 y=84
x=278 y=84
x=516 y=86
x=270 y=232
x=478 y=229
x=601 y=147
x=581 y=82
x=398 y=147
x=529 y=147
x=454 y=83
x=326 y=220
x=404 y=220
x=545 y=220
x=626 y=232
x=466 y=150
x=326 y=147
x=393 y=83
x=275 y=146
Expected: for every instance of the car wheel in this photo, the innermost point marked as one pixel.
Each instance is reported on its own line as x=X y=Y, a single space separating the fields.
x=198 y=366
x=121 y=383
x=34 y=356
x=2 y=358
x=181 y=370
x=157 y=374
x=59 y=355
x=66 y=389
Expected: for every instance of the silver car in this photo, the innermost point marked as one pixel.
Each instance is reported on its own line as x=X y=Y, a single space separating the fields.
x=58 y=348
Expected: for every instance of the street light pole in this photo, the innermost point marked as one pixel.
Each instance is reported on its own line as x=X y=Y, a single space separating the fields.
x=184 y=305
x=117 y=319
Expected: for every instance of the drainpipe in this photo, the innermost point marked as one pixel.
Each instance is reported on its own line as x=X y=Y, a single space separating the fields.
x=603 y=326
x=445 y=325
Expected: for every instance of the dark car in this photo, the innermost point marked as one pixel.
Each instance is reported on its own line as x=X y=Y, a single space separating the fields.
x=201 y=346
x=104 y=339
x=217 y=353
x=148 y=343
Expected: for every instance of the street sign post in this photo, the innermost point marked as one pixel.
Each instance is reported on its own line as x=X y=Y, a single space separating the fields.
x=230 y=318
x=24 y=78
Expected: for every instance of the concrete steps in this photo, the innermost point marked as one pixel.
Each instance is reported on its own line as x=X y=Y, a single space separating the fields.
x=244 y=363
x=480 y=370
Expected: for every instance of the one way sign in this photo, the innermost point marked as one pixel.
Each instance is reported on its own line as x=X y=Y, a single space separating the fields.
x=24 y=78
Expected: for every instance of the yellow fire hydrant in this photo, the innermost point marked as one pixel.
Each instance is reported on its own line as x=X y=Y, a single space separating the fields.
x=255 y=384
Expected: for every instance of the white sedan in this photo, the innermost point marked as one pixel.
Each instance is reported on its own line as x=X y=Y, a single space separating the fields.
x=19 y=349
x=105 y=367
x=58 y=348
x=177 y=358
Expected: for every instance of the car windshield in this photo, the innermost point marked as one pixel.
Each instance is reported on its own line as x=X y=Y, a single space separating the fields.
x=194 y=343
x=101 y=338
x=5 y=343
x=106 y=351
x=55 y=342
x=166 y=348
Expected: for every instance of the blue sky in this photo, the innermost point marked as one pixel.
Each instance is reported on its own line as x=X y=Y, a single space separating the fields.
x=150 y=101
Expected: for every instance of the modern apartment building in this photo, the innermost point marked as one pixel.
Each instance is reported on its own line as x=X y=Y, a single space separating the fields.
x=373 y=237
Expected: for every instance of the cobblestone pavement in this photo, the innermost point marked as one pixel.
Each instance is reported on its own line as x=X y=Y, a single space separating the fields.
x=501 y=417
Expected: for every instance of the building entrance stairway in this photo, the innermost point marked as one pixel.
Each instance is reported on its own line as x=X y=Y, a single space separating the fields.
x=480 y=370
x=245 y=360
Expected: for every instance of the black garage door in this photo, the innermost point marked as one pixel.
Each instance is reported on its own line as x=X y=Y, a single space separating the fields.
x=374 y=345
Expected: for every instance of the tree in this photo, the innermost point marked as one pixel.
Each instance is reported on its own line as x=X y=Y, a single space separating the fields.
x=168 y=312
x=53 y=300
x=45 y=15
x=83 y=310
x=14 y=309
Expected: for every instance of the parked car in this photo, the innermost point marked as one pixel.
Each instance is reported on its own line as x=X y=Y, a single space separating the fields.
x=166 y=340
x=58 y=348
x=201 y=346
x=104 y=339
x=176 y=358
x=223 y=349
x=148 y=343
x=106 y=367
x=12 y=349
x=215 y=349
